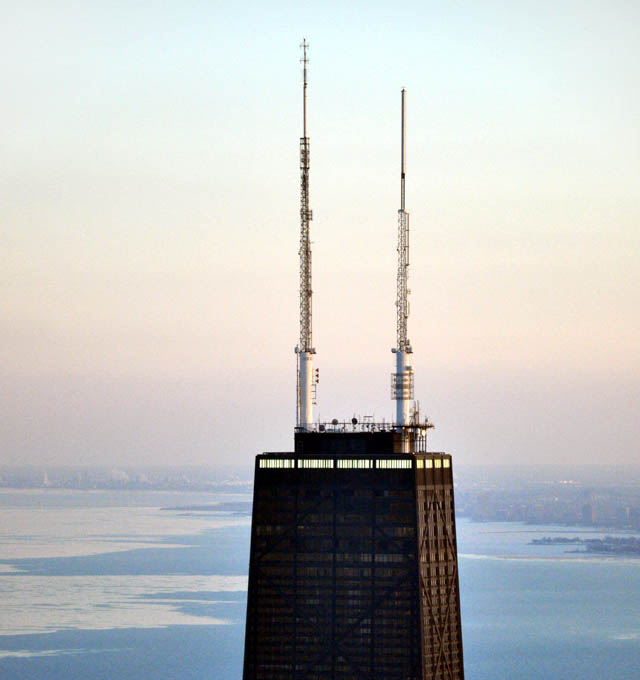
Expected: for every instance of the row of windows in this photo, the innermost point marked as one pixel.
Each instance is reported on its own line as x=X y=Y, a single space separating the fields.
x=402 y=463
x=353 y=463
x=435 y=462
x=315 y=463
x=328 y=556
x=277 y=463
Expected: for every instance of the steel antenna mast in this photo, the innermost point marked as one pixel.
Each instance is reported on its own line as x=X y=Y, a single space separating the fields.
x=402 y=379
x=305 y=349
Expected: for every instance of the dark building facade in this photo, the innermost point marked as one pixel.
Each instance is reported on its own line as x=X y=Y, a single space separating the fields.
x=353 y=568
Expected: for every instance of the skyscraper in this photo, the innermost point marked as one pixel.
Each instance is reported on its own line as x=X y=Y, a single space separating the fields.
x=353 y=568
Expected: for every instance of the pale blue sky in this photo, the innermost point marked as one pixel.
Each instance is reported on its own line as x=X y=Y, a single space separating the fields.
x=149 y=225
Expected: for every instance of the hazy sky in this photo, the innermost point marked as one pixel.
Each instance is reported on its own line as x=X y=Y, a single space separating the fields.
x=149 y=225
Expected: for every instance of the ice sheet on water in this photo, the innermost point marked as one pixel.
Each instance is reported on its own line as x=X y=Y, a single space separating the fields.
x=41 y=604
x=68 y=532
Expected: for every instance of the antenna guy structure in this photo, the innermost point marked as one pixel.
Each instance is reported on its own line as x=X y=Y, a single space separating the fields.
x=402 y=379
x=305 y=349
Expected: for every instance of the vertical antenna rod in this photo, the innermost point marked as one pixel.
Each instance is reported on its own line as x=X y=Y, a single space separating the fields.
x=402 y=379
x=403 y=130
x=304 y=350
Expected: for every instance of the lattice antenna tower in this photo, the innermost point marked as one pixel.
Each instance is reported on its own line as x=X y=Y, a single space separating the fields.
x=305 y=350
x=402 y=379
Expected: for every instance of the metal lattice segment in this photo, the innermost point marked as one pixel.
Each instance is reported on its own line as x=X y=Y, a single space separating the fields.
x=402 y=300
x=306 y=291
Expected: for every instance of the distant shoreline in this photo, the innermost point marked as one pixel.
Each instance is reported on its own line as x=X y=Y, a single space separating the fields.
x=609 y=545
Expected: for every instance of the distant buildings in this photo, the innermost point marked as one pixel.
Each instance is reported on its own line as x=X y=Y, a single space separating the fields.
x=576 y=504
x=153 y=478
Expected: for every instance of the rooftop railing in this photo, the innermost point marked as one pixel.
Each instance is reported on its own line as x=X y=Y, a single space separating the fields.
x=355 y=425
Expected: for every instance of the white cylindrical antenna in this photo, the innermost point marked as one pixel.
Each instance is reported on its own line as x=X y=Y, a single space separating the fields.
x=305 y=350
x=402 y=379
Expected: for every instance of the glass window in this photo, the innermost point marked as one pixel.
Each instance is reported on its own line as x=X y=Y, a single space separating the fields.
x=277 y=463
x=315 y=463
x=354 y=463
x=397 y=463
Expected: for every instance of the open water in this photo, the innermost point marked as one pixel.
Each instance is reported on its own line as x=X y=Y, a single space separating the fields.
x=108 y=585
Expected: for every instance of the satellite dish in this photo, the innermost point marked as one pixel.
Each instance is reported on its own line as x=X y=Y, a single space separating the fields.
x=354 y=421
x=334 y=421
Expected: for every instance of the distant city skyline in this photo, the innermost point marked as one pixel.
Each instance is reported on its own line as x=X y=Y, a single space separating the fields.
x=149 y=226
